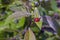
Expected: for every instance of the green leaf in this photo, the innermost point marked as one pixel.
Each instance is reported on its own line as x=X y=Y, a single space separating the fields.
x=50 y=38
x=16 y=15
x=53 y=5
x=29 y=35
x=41 y=10
x=37 y=15
x=39 y=24
x=58 y=11
x=18 y=25
x=2 y=36
x=15 y=26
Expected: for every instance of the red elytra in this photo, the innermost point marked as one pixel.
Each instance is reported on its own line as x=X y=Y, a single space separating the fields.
x=36 y=19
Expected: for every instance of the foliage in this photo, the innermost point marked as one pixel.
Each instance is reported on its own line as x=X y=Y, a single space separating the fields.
x=17 y=20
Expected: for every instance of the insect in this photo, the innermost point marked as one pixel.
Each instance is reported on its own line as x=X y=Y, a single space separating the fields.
x=36 y=19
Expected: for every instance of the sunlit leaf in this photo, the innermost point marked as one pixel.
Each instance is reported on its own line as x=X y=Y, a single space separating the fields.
x=37 y=15
x=29 y=35
x=39 y=24
x=18 y=25
x=16 y=15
